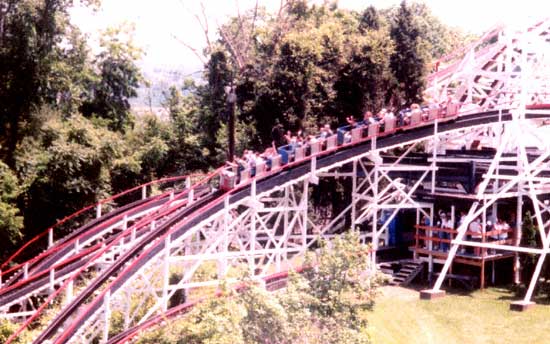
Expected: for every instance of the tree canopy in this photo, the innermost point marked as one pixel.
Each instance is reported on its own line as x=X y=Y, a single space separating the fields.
x=68 y=136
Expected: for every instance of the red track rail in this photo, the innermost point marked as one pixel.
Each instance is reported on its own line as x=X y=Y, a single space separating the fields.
x=186 y=307
x=121 y=236
x=55 y=248
x=205 y=208
x=82 y=211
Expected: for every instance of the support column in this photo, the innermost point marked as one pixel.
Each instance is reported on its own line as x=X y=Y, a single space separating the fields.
x=375 y=211
x=190 y=192
x=166 y=273
x=222 y=263
x=305 y=198
x=50 y=237
x=434 y=155
x=70 y=291
x=430 y=246
x=288 y=231
x=517 y=241
x=252 y=243
x=52 y=281
x=106 y=315
x=353 y=194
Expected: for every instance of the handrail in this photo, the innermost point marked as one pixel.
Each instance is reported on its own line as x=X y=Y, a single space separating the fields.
x=81 y=211
x=206 y=208
x=490 y=233
x=59 y=247
x=94 y=303
x=187 y=306
x=122 y=235
x=63 y=245
x=55 y=248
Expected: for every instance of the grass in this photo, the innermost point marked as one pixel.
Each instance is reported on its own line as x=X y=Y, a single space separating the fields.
x=480 y=317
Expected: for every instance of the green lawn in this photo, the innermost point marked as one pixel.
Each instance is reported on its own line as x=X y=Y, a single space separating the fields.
x=480 y=317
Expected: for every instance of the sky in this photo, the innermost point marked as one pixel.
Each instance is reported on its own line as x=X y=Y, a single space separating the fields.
x=161 y=25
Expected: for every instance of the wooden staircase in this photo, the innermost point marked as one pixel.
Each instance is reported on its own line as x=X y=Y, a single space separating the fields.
x=402 y=272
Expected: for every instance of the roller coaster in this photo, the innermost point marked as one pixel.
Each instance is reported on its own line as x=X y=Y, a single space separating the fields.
x=128 y=259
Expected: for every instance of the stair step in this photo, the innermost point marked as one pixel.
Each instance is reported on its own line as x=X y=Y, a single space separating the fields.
x=411 y=266
x=384 y=265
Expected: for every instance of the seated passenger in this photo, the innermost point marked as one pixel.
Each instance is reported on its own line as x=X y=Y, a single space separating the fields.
x=381 y=114
x=368 y=118
x=292 y=141
x=351 y=121
x=381 y=118
x=267 y=156
x=347 y=136
x=326 y=131
x=277 y=135
x=288 y=137
x=416 y=112
x=401 y=116
x=389 y=121
x=251 y=162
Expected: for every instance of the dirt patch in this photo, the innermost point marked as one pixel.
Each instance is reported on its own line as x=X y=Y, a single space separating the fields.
x=399 y=292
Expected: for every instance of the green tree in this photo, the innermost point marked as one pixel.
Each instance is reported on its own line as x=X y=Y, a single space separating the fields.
x=216 y=321
x=11 y=221
x=117 y=82
x=213 y=99
x=265 y=320
x=64 y=166
x=185 y=144
x=31 y=33
x=408 y=62
x=341 y=283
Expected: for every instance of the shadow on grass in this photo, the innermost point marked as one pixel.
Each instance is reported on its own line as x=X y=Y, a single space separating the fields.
x=452 y=290
x=517 y=293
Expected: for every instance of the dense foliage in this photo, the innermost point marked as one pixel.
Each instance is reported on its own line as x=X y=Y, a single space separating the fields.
x=68 y=136
x=328 y=304
x=530 y=237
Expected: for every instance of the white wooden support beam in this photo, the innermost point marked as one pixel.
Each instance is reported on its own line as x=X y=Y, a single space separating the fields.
x=305 y=200
x=50 y=237
x=535 y=277
x=252 y=248
x=375 y=213
x=434 y=156
x=144 y=192
x=353 y=194
x=191 y=191
x=51 y=285
x=313 y=178
x=166 y=273
x=518 y=234
x=222 y=263
x=106 y=315
x=70 y=291
x=98 y=211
